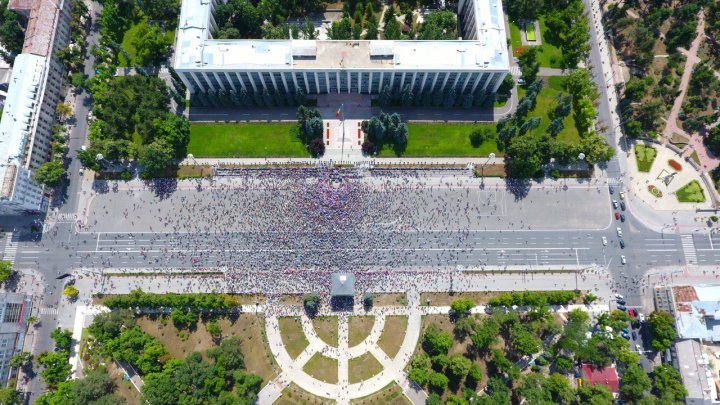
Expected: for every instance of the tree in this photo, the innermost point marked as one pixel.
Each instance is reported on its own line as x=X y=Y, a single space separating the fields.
x=479 y=136
x=368 y=299
x=712 y=140
x=662 y=330
x=486 y=334
x=462 y=306
x=340 y=30
x=62 y=338
x=63 y=110
x=667 y=384
x=507 y=84
x=155 y=158
x=10 y=396
x=160 y=9
x=20 y=360
x=634 y=383
x=238 y=19
x=419 y=375
x=459 y=366
x=6 y=270
x=214 y=329
x=523 y=341
x=393 y=29
x=11 y=32
x=475 y=373
x=108 y=325
x=317 y=145
x=438 y=382
x=371 y=31
x=529 y=64
x=228 y=354
x=594 y=395
x=71 y=292
x=595 y=149
x=56 y=368
x=523 y=9
x=175 y=129
x=183 y=318
x=308 y=30
x=555 y=127
x=523 y=160
x=439 y=25
x=449 y=98
x=435 y=341
x=406 y=96
x=151 y=45
x=96 y=385
x=385 y=97
x=51 y=173
x=311 y=302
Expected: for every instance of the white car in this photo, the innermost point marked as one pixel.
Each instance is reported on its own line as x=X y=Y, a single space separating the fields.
x=639 y=348
x=81 y=171
x=604 y=241
x=622 y=195
x=619 y=232
x=615 y=204
x=622 y=259
x=83 y=148
x=618 y=296
x=641 y=317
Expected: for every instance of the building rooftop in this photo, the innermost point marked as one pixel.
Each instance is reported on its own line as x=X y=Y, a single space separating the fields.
x=692 y=365
x=195 y=48
x=21 y=106
x=342 y=285
x=43 y=17
x=606 y=376
x=697 y=311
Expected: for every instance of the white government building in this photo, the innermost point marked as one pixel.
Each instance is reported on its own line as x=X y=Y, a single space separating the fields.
x=474 y=64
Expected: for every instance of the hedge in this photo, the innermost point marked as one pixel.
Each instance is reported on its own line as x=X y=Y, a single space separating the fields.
x=533 y=298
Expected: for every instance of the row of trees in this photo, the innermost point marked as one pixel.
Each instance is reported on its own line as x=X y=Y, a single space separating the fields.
x=195 y=301
x=244 y=19
x=310 y=130
x=73 y=56
x=533 y=298
x=385 y=129
x=242 y=98
x=447 y=98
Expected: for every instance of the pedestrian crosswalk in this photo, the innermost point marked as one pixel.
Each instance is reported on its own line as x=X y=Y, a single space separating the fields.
x=688 y=246
x=515 y=70
x=11 y=245
x=614 y=181
x=48 y=311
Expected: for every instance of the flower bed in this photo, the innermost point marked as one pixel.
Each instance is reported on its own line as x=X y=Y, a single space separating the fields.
x=655 y=191
x=675 y=165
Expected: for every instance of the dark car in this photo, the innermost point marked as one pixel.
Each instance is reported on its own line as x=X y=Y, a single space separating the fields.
x=612 y=190
x=622 y=205
x=622 y=244
x=634 y=335
x=621 y=302
x=622 y=217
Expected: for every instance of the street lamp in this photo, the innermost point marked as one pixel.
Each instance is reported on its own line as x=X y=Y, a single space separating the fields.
x=482 y=169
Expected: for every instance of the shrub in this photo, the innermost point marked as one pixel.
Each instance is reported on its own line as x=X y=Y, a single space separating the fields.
x=675 y=165
x=714 y=218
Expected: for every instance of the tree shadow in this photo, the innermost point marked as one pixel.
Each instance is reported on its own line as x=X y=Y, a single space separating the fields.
x=163 y=188
x=518 y=187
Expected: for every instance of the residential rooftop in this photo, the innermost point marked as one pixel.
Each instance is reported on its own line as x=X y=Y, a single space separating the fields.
x=692 y=364
x=43 y=18
x=195 y=48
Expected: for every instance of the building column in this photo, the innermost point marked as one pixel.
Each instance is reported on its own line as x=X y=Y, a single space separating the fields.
x=282 y=76
x=294 y=80
x=382 y=76
x=272 y=79
x=402 y=81
x=232 y=85
x=422 y=85
x=307 y=85
x=262 y=80
x=252 y=82
x=412 y=83
x=432 y=87
x=186 y=82
x=498 y=83
x=207 y=80
x=488 y=80
x=240 y=79
x=470 y=74
x=317 y=83
x=477 y=81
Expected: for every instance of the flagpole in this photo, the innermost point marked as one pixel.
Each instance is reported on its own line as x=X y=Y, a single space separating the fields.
x=342 y=121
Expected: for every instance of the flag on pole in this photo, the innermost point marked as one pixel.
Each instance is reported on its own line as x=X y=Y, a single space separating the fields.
x=337 y=113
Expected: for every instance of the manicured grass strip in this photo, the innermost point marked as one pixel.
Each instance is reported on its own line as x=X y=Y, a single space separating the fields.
x=294 y=395
x=391 y=394
x=694 y=156
x=327 y=329
x=530 y=32
x=393 y=334
x=292 y=336
x=644 y=156
x=551 y=54
x=515 y=39
x=363 y=367
x=323 y=368
x=691 y=193
x=245 y=140
x=545 y=103
x=359 y=329
x=436 y=140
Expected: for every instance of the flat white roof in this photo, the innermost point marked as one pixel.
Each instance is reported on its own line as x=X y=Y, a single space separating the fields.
x=21 y=107
x=196 y=50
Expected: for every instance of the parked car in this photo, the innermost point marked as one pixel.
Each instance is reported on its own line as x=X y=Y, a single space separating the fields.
x=621 y=307
x=619 y=231
x=604 y=241
x=625 y=335
x=622 y=244
x=622 y=259
x=617 y=215
x=612 y=190
x=632 y=313
x=622 y=205
x=615 y=204
x=634 y=335
x=622 y=195
x=622 y=217
x=621 y=302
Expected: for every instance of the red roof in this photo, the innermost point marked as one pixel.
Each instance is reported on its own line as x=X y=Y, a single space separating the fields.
x=601 y=376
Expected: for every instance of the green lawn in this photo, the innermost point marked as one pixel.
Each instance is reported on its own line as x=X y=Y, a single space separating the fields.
x=549 y=55
x=691 y=192
x=530 y=32
x=129 y=37
x=644 y=156
x=245 y=140
x=443 y=140
x=545 y=103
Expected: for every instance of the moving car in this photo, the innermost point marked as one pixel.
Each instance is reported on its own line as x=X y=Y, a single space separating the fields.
x=622 y=205
x=615 y=204
x=619 y=231
x=622 y=244
x=622 y=259
x=622 y=195
x=604 y=241
x=617 y=215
